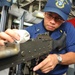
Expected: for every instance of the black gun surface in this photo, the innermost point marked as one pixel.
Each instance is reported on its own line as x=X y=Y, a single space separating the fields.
x=33 y=48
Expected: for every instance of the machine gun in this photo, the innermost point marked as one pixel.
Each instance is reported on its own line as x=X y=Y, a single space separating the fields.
x=14 y=54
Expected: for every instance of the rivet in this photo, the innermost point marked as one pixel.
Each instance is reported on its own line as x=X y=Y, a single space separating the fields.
x=22 y=53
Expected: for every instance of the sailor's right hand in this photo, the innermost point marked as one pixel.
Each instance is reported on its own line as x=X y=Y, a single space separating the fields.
x=9 y=36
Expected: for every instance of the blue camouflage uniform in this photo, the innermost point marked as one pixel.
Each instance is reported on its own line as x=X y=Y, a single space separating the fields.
x=70 y=42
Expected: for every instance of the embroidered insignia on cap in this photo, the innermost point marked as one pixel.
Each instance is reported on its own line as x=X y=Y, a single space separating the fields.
x=61 y=3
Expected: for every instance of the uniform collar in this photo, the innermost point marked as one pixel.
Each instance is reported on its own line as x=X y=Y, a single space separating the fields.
x=40 y=28
x=55 y=34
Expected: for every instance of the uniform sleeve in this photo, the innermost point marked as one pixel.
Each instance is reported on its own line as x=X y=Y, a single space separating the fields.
x=70 y=39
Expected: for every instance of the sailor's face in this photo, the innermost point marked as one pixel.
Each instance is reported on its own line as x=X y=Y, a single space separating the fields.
x=52 y=21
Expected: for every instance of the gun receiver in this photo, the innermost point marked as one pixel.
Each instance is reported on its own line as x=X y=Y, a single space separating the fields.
x=15 y=54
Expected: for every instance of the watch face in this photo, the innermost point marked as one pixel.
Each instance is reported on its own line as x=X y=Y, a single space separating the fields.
x=59 y=58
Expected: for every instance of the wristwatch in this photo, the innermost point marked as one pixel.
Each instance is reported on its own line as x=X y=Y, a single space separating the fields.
x=59 y=58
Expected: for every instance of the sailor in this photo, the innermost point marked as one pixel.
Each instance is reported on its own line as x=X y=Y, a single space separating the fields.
x=54 y=22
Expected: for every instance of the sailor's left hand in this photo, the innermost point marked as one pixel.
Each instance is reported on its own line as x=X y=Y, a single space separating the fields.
x=47 y=64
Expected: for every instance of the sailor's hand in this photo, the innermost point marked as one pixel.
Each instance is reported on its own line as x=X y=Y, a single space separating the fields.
x=47 y=64
x=9 y=36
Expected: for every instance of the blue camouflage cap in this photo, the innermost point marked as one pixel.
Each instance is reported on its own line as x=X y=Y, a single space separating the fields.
x=5 y=3
x=61 y=7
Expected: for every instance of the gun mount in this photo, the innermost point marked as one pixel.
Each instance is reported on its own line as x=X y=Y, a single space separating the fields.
x=33 y=48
